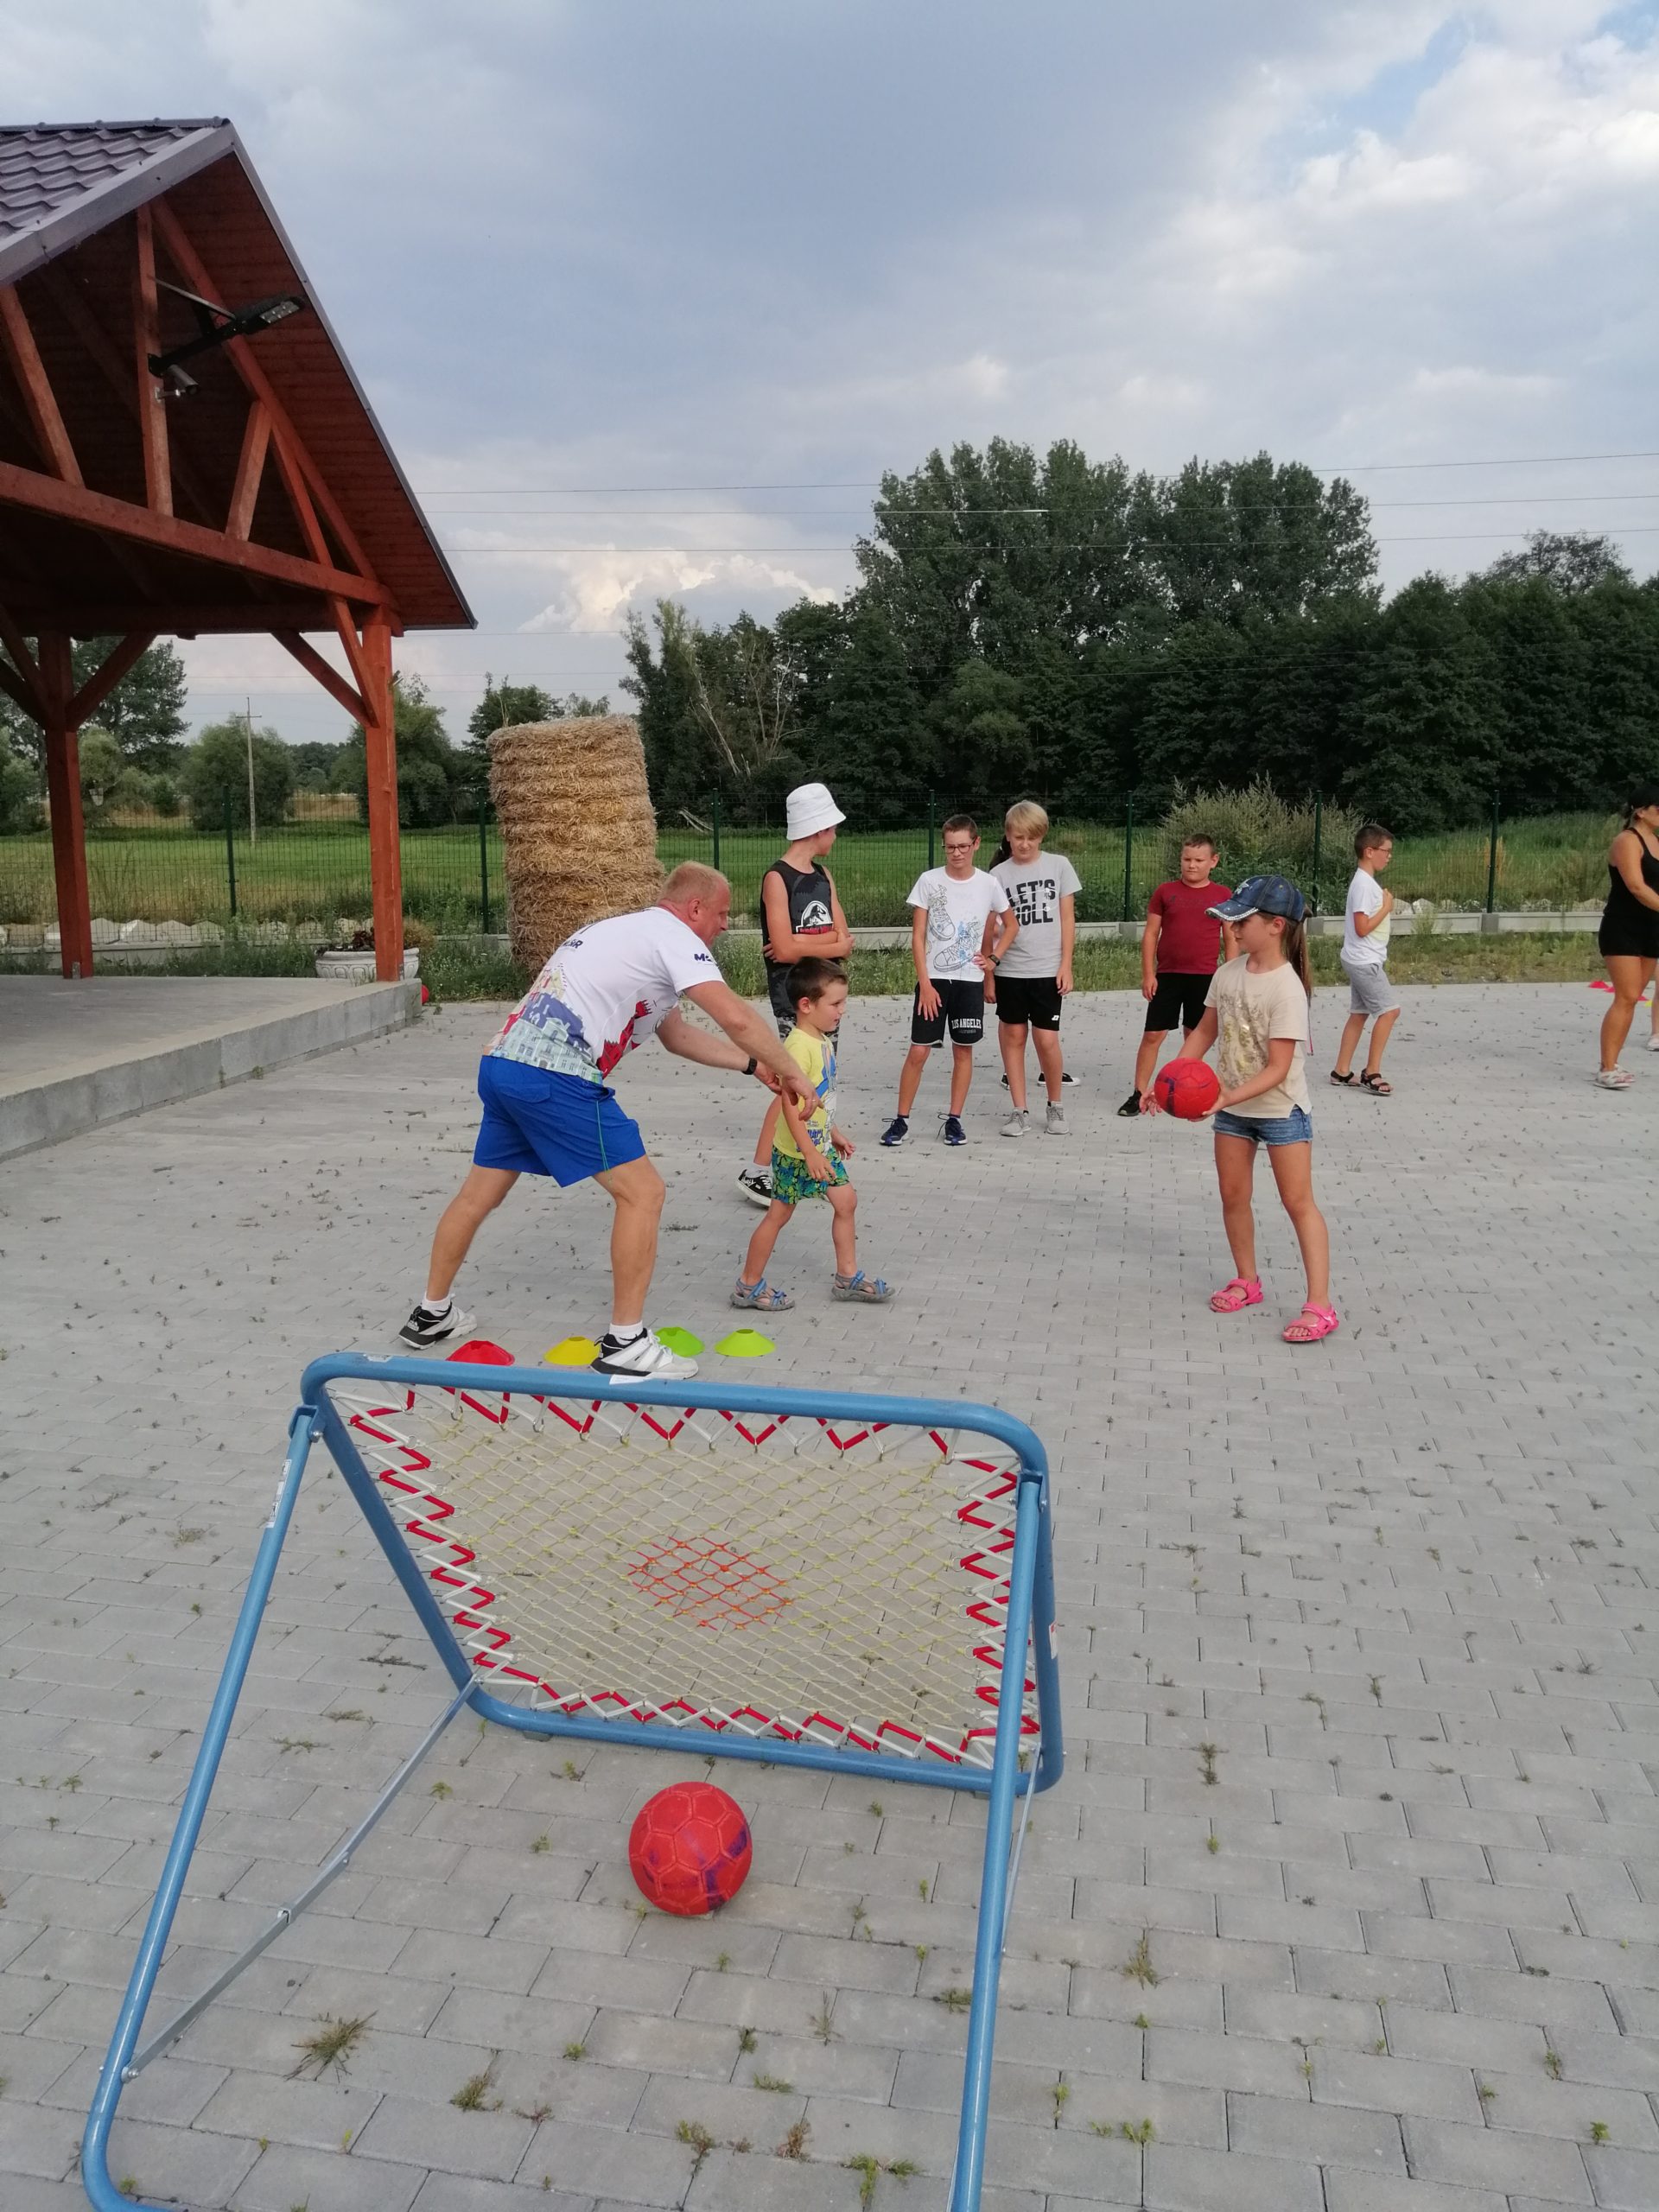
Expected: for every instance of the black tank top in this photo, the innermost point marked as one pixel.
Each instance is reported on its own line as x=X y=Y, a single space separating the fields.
x=811 y=911
x=1621 y=904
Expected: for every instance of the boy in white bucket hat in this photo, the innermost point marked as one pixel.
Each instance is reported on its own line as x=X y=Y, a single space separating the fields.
x=801 y=919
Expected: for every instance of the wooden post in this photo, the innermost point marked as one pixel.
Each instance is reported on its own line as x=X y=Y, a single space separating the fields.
x=380 y=751
x=63 y=787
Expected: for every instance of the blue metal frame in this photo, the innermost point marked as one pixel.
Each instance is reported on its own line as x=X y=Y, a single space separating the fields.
x=1030 y=1602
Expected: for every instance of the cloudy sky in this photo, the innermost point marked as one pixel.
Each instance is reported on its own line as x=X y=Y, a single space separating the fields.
x=647 y=292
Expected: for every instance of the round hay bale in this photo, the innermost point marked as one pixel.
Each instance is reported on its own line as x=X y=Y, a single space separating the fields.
x=577 y=827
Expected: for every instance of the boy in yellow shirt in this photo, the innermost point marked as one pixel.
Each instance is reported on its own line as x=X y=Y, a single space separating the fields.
x=808 y=1153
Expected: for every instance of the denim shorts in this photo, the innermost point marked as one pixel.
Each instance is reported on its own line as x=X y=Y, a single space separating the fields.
x=1294 y=1128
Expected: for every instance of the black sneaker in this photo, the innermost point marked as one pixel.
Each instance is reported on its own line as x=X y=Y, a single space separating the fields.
x=1068 y=1080
x=425 y=1327
x=1130 y=1107
x=897 y=1131
x=756 y=1185
x=951 y=1130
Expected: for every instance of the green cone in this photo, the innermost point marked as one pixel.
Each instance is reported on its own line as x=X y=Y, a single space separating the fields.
x=744 y=1344
x=680 y=1340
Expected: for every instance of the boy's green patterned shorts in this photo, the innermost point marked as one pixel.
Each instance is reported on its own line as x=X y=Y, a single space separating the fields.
x=791 y=1183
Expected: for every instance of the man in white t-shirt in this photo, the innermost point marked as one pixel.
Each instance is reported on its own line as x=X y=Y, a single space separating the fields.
x=1364 y=961
x=950 y=907
x=548 y=1108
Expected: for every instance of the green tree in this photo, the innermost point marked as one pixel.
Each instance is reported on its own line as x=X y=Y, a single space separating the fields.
x=1420 y=736
x=19 y=789
x=144 y=714
x=430 y=773
x=216 y=776
x=1232 y=539
x=314 y=762
x=1566 y=561
x=101 y=767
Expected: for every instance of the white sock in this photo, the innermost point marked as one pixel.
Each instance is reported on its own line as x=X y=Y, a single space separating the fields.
x=436 y=1306
x=624 y=1332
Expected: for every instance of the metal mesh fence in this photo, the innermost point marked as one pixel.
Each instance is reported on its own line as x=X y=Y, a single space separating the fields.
x=310 y=877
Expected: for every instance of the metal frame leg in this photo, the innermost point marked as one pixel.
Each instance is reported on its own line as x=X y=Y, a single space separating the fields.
x=95 y=2141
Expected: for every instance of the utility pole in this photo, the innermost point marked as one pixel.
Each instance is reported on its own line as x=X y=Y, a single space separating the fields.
x=253 y=826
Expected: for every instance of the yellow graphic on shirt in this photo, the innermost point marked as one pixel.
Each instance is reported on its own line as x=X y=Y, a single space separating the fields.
x=816 y=1058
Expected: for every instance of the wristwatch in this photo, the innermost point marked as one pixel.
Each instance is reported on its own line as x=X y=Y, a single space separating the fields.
x=754 y=1065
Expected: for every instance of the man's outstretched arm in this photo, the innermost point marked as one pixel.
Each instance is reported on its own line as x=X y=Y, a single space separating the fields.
x=748 y=1037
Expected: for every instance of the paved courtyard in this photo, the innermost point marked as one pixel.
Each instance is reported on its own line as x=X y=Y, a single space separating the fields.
x=1349 y=1898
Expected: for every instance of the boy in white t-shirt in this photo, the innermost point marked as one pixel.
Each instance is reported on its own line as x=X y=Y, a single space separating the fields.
x=950 y=906
x=1364 y=961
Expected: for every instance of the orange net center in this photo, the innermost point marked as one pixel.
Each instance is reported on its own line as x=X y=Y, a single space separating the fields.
x=710 y=1584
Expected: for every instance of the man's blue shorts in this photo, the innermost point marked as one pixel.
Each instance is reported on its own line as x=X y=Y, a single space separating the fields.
x=539 y=1124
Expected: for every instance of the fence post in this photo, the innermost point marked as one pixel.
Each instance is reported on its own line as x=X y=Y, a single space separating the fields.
x=1318 y=832
x=714 y=817
x=931 y=812
x=1128 y=854
x=484 y=863
x=230 y=852
x=1491 y=860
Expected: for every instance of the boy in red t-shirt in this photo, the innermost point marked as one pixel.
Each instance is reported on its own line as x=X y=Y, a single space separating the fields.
x=1178 y=957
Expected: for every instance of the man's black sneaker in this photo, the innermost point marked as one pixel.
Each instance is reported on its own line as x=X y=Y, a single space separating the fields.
x=1130 y=1107
x=756 y=1185
x=425 y=1327
x=897 y=1131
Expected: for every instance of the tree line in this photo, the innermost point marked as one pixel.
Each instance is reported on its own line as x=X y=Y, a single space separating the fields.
x=1056 y=627
x=135 y=755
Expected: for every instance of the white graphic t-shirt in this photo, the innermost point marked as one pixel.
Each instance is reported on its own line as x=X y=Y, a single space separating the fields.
x=1364 y=897
x=1035 y=893
x=957 y=909
x=603 y=992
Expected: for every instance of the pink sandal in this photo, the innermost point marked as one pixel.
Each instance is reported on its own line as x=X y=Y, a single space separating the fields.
x=1236 y=1294
x=1313 y=1324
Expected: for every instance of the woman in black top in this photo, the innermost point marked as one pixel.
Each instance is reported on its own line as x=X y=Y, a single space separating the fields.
x=1630 y=926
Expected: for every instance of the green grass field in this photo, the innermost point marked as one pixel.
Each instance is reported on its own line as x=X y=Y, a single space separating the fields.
x=312 y=875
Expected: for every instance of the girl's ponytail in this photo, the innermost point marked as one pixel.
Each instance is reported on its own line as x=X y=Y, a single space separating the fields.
x=1296 y=943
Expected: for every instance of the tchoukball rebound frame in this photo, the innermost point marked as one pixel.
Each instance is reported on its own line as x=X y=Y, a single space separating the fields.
x=1030 y=1604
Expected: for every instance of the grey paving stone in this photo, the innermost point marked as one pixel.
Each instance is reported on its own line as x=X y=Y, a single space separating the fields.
x=1390 y=1861
x=1283 y=2127
x=1491 y=2157
x=1625 y=2181
x=1181 y=2180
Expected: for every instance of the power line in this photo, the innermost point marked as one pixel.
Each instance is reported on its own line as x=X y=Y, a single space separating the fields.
x=1051 y=545
x=1507 y=499
x=874 y=483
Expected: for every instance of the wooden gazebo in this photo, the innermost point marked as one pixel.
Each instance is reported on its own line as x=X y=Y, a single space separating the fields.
x=185 y=449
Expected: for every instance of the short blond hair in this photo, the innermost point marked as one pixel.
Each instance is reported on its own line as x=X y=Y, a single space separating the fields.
x=690 y=880
x=1025 y=818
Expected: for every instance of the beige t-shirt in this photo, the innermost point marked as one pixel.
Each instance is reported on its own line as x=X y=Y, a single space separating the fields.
x=1251 y=1010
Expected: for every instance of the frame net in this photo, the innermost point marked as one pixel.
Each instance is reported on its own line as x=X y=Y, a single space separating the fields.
x=779 y=1576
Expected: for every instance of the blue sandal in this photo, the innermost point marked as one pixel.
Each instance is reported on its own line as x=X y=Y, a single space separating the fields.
x=755 y=1298
x=859 y=1290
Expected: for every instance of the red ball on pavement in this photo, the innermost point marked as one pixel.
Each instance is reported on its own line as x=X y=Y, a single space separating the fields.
x=689 y=1848
x=1187 y=1088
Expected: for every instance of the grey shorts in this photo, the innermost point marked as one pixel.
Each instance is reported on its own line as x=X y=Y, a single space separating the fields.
x=1370 y=990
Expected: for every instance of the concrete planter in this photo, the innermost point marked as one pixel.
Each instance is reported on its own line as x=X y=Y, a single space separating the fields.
x=359 y=967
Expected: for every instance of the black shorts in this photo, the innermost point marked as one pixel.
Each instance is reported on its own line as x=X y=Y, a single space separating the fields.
x=1031 y=1001
x=1178 y=1001
x=962 y=1006
x=1630 y=937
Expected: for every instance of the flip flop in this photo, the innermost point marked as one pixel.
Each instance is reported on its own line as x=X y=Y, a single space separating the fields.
x=1313 y=1323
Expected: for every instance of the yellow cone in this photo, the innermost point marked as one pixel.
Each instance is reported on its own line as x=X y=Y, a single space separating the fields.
x=573 y=1352
x=746 y=1343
